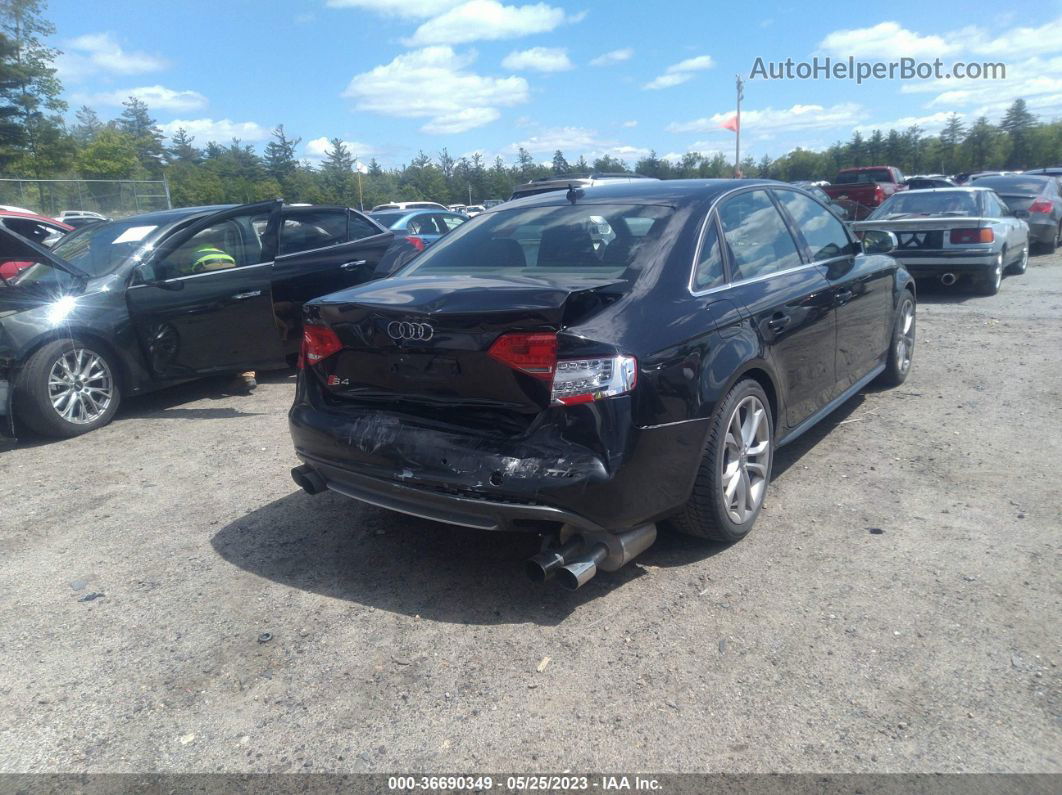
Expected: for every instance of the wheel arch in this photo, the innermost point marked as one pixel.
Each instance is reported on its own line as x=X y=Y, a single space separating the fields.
x=122 y=369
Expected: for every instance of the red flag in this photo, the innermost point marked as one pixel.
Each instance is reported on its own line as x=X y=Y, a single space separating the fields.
x=730 y=124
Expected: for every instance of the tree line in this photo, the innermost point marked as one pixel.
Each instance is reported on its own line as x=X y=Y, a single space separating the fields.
x=39 y=141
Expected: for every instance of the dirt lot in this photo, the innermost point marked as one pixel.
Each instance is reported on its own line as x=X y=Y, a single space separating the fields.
x=896 y=609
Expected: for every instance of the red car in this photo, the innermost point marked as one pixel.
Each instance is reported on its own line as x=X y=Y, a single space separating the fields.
x=38 y=228
x=862 y=189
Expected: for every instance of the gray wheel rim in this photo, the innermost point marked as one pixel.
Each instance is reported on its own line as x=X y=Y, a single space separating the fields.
x=80 y=386
x=905 y=337
x=1024 y=260
x=998 y=274
x=746 y=456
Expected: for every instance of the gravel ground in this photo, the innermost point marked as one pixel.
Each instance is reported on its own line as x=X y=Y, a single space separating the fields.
x=896 y=609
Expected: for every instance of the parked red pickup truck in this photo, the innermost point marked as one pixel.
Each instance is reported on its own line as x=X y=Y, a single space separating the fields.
x=862 y=189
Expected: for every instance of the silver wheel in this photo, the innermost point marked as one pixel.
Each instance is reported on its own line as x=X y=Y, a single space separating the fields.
x=80 y=386
x=905 y=337
x=746 y=456
x=1023 y=263
x=997 y=276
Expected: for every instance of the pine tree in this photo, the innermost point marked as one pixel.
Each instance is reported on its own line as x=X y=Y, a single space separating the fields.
x=560 y=165
x=337 y=172
x=12 y=131
x=581 y=166
x=280 y=161
x=136 y=121
x=1016 y=123
x=181 y=149
x=979 y=143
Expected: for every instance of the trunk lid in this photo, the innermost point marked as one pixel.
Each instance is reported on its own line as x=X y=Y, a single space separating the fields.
x=420 y=343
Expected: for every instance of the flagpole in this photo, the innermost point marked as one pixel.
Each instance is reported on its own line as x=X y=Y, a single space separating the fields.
x=737 y=139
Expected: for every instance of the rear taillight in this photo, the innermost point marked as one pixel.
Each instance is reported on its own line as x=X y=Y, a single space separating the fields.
x=318 y=343
x=534 y=354
x=1041 y=206
x=416 y=242
x=972 y=236
x=573 y=380
x=879 y=194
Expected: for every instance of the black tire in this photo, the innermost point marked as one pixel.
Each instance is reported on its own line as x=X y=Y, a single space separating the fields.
x=33 y=402
x=990 y=282
x=896 y=370
x=1051 y=245
x=705 y=515
x=1021 y=265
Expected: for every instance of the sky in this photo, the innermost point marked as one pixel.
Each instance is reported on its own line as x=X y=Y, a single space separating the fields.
x=392 y=77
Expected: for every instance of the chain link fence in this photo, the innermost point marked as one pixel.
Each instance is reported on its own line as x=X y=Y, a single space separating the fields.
x=114 y=198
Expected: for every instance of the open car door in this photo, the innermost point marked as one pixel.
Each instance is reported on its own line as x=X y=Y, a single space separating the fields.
x=203 y=303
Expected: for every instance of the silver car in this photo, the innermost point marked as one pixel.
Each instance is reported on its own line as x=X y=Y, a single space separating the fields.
x=948 y=233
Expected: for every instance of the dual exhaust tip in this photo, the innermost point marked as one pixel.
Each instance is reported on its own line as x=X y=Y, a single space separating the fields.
x=573 y=563
x=577 y=561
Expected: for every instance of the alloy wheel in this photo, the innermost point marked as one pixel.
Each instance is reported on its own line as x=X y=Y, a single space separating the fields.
x=80 y=386
x=905 y=339
x=998 y=273
x=746 y=456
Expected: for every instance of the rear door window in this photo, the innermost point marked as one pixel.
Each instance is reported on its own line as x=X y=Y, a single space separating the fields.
x=709 y=271
x=756 y=237
x=305 y=231
x=826 y=236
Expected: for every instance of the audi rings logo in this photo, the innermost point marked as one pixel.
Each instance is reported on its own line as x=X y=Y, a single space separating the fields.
x=413 y=332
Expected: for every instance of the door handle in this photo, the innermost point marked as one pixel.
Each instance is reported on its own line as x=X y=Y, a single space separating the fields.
x=778 y=322
x=842 y=297
x=349 y=266
x=245 y=296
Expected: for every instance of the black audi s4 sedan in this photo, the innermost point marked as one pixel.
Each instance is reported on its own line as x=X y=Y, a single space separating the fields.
x=587 y=364
x=126 y=306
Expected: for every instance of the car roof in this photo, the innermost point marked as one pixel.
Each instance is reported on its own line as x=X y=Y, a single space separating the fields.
x=649 y=191
x=34 y=217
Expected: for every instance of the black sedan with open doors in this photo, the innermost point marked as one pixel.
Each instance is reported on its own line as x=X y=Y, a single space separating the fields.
x=123 y=307
x=517 y=375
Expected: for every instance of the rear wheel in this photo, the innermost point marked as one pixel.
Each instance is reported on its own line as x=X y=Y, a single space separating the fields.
x=898 y=361
x=65 y=389
x=1019 y=267
x=735 y=469
x=989 y=283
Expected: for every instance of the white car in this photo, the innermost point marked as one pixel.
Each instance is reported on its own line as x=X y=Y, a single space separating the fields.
x=473 y=210
x=946 y=233
x=409 y=206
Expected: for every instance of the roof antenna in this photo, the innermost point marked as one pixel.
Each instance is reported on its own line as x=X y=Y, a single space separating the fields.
x=573 y=193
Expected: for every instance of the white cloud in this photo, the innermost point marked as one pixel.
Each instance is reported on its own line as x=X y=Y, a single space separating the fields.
x=631 y=123
x=317 y=148
x=575 y=141
x=1038 y=80
x=884 y=40
x=99 y=53
x=796 y=118
x=538 y=59
x=477 y=20
x=668 y=81
x=411 y=9
x=613 y=57
x=681 y=72
x=456 y=100
x=156 y=98
x=219 y=130
x=890 y=40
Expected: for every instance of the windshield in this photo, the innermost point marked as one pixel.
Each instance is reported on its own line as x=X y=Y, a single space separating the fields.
x=1020 y=186
x=870 y=175
x=949 y=202
x=100 y=248
x=590 y=240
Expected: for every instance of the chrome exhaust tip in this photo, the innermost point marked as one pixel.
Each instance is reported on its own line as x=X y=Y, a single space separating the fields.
x=307 y=479
x=948 y=279
x=580 y=571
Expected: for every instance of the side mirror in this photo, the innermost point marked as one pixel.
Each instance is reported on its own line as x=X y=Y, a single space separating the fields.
x=878 y=241
x=1021 y=213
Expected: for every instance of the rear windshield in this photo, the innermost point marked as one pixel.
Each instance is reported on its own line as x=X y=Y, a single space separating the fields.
x=386 y=219
x=871 y=175
x=100 y=248
x=1020 y=186
x=593 y=240
x=948 y=202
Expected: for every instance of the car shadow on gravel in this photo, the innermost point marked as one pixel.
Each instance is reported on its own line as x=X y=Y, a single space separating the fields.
x=342 y=549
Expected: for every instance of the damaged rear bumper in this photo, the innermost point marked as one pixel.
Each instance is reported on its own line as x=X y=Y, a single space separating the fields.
x=609 y=480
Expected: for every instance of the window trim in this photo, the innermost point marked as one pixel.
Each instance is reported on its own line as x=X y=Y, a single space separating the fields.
x=712 y=211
